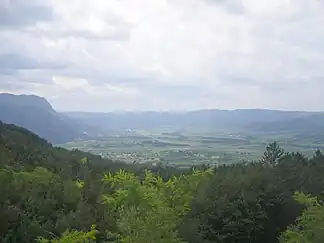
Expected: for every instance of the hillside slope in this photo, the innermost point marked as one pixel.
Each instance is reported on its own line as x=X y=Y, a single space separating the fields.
x=304 y=127
x=40 y=193
x=304 y=123
x=20 y=147
x=36 y=114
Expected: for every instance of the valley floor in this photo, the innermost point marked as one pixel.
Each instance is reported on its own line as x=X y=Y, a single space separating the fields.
x=187 y=148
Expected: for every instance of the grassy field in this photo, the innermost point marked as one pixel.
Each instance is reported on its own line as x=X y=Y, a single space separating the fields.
x=186 y=148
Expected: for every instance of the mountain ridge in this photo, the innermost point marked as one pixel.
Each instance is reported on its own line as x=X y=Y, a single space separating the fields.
x=25 y=100
x=37 y=115
x=213 y=118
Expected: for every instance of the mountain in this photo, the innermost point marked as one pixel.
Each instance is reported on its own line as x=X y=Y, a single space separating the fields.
x=207 y=119
x=311 y=125
x=37 y=115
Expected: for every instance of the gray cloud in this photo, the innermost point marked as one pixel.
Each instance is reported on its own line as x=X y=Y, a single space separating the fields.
x=232 y=6
x=12 y=61
x=180 y=54
x=11 y=85
x=113 y=34
x=19 y=13
x=111 y=27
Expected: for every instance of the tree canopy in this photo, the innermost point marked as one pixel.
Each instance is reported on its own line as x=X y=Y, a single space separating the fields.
x=50 y=194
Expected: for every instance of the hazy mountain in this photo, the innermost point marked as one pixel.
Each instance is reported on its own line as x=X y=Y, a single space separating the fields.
x=207 y=119
x=37 y=115
x=310 y=125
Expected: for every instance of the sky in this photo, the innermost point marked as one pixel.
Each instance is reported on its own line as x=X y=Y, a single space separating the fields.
x=164 y=54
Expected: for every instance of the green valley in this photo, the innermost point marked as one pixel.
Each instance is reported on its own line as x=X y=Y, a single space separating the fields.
x=187 y=148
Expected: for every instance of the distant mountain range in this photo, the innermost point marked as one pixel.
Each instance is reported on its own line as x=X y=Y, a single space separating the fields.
x=249 y=119
x=37 y=115
x=306 y=126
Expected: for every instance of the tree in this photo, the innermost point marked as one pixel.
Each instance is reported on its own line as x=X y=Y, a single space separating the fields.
x=48 y=192
x=309 y=226
x=150 y=210
x=273 y=154
x=73 y=237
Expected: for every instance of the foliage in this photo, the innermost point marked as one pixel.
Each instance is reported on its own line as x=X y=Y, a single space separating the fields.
x=151 y=204
x=73 y=237
x=273 y=154
x=48 y=192
x=309 y=226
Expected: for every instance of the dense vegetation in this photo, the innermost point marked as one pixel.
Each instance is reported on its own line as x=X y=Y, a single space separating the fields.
x=53 y=195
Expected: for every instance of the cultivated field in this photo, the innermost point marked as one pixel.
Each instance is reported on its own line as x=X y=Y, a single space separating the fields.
x=189 y=147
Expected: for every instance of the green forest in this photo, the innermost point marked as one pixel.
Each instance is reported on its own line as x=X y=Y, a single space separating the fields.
x=50 y=194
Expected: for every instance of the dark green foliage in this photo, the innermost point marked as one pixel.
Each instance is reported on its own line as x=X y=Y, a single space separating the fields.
x=39 y=192
x=309 y=226
x=253 y=203
x=273 y=154
x=55 y=195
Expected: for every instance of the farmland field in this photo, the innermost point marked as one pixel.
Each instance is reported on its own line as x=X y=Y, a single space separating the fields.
x=188 y=147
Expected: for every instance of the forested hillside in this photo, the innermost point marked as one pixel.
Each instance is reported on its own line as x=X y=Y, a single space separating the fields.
x=54 y=195
x=36 y=114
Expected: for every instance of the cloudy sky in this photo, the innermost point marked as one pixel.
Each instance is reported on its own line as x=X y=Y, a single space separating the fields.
x=164 y=54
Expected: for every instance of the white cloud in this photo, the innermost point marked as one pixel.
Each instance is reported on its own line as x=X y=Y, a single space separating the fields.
x=173 y=54
x=68 y=83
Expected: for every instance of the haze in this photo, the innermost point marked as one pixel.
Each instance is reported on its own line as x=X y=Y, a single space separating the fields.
x=165 y=54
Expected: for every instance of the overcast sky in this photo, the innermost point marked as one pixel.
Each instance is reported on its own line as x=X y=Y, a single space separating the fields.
x=106 y=55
